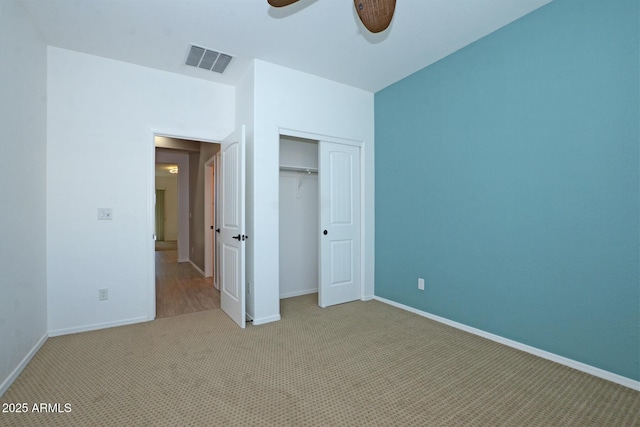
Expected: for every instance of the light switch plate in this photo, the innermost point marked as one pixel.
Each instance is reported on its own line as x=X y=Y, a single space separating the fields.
x=105 y=213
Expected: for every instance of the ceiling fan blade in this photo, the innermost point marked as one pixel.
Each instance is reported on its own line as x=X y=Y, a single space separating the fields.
x=376 y=15
x=281 y=3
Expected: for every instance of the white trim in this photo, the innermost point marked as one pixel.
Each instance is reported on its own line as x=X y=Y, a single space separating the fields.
x=197 y=268
x=4 y=386
x=97 y=326
x=592 y=370
x=363 y=228
x=319 y=137
x=299 y=293
x=264 y=320
x=182 y=135
x=151 y=229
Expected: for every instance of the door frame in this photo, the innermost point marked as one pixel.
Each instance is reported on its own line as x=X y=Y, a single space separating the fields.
x=210 y=171
x=345 y=141
x=151 y=214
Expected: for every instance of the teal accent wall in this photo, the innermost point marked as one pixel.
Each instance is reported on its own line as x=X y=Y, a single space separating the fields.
x=507 y=176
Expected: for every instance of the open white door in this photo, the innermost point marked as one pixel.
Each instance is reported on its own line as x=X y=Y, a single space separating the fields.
x=232 y=227
x=339 y=174
x=216 y=267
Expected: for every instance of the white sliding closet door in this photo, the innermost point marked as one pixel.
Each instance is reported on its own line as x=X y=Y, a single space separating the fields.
x=340 y=279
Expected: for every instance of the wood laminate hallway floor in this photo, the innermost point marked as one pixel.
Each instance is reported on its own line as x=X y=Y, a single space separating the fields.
x=180 y=288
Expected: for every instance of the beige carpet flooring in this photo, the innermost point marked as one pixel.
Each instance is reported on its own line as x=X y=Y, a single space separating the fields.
x=356 y=364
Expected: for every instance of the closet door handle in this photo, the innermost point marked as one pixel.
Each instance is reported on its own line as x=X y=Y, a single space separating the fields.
x=238 y=237
x=217 y=230
x=325 y=232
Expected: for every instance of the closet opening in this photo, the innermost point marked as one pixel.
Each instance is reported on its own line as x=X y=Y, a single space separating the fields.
x=299 y=217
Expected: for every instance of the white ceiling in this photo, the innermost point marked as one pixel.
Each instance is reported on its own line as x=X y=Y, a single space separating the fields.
x=321 y=37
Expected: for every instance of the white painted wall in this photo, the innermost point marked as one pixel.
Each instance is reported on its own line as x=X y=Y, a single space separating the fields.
x=170 y=186
x=285 y=98
x=102 y=115
x=23 y=282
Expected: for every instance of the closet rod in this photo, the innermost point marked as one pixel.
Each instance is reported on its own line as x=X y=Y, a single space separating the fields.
x=299 y=169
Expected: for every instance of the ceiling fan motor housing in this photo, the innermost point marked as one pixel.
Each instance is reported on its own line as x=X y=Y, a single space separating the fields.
x=376 y=15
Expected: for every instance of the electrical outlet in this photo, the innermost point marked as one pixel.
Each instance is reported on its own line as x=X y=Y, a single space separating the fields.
x=103 y=294
x=421 y=284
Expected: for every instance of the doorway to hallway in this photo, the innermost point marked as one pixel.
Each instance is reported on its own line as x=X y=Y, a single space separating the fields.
x=180 y=288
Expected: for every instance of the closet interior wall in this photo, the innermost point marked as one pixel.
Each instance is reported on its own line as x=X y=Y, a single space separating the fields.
x=299 y=217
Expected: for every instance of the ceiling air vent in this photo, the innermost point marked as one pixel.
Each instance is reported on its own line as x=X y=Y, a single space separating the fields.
x=208 y=59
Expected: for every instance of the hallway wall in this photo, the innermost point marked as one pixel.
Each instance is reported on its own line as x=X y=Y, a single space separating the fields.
x=170 y=187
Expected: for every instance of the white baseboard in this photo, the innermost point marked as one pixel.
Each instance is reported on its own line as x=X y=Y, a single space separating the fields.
x=264 y=320
x=96 y=326
x=367 y=298
x=197 y=268
x=4 y=386
x=592 y=370
x=299 y=293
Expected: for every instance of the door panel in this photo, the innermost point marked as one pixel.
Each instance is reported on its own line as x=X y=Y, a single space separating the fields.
x=230 y=279
x=232 y=227
x=340 y=219
x=341 y=265
x=341 y=205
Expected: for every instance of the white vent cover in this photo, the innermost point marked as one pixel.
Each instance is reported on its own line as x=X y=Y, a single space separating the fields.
x=208 y=59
